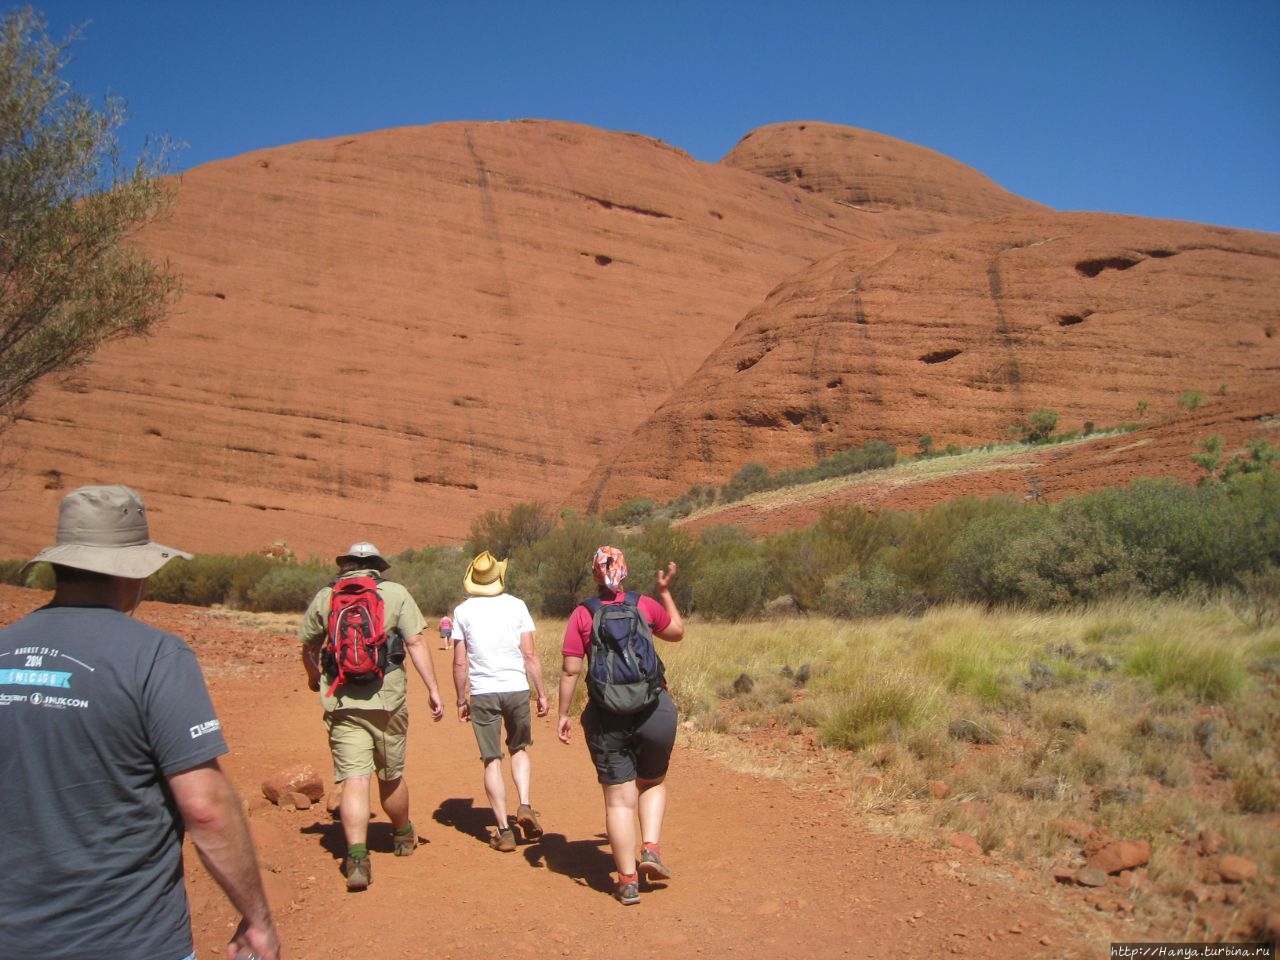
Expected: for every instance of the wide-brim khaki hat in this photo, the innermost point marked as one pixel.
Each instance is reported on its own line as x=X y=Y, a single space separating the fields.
x=366 y=554
x=486 y=576
x=103 y=529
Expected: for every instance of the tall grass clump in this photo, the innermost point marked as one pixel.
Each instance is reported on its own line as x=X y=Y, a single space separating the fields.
x=880 y=705
x=1203 y=667
x=971 y=653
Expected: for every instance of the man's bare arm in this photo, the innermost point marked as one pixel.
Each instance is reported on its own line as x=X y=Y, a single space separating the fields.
x=216 y=822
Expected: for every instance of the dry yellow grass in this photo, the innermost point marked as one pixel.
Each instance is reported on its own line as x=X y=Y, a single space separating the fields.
x=1026 y=718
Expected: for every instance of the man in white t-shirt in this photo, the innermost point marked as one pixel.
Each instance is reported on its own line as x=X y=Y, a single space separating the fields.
x=493 y=651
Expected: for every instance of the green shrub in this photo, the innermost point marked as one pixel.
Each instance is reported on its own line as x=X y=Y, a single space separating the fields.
x=631 y=513
x=873 y=591
x=209 y=579
x=287 y=588
x=751 y=478
x=1040 y=425
x=433 y=576
x=991 y=561
x=732 y=587
x=504 y=532
x=1260 y=456
x=926 y=542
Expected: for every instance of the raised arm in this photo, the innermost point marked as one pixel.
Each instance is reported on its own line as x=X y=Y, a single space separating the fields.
x=675 y=629
x=217 y=825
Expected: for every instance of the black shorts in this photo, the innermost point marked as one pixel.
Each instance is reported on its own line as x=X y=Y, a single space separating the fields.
x=631 y=747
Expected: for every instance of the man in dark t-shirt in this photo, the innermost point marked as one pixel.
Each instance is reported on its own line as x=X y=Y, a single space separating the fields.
x=108 y=753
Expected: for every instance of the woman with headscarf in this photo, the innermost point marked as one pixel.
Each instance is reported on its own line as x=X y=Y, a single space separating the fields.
x=631 y=751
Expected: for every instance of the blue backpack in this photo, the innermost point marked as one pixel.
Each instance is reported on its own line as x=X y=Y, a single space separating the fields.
x=624 y=672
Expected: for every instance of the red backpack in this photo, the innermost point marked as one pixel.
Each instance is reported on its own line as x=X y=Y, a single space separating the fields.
x=355 y=649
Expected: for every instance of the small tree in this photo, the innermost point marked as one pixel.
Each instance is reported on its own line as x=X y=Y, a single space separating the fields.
x=1040 y=425
x=1209 y=457
x=503 y=533
x=1190 y=400
x=69 y=282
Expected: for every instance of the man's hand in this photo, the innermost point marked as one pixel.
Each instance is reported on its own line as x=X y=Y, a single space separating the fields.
x=563 y=727
x=543 y=706
x=254 y=942
x=437 y=708
x=464 y=711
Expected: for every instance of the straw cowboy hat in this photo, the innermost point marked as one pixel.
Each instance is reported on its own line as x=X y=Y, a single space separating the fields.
x=365 y=554
x=486 y=576
x=103 y=529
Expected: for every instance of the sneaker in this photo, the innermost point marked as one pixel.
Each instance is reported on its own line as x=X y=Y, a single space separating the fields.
x=627 y=890
x=527 y=818
x=405 y=843
x=358 y=872
x=651 y=866
x=503 y=840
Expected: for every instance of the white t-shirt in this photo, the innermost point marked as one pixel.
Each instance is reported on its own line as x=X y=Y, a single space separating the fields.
x=491 y=628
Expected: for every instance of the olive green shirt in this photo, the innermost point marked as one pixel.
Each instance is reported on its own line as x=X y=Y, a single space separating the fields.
x=400 y=612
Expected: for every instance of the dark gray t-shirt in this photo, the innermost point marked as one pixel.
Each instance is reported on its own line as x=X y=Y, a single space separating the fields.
x=96 y=709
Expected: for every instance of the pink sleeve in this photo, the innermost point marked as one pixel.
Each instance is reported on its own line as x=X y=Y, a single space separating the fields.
x=577 y=633
x=653 y=611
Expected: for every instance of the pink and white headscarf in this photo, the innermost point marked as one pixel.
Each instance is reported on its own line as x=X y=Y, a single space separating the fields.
x=609 y=567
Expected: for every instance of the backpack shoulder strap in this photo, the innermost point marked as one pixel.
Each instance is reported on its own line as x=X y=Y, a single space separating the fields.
x=593 y=605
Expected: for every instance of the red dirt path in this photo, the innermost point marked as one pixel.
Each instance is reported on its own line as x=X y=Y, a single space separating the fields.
x=760 y=869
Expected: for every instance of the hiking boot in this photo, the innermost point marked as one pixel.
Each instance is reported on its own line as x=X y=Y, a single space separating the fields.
x=359 y=873
x=627 y=890
x=405 y=843
x=527 y=818
x=503 y=840
x=651 y=866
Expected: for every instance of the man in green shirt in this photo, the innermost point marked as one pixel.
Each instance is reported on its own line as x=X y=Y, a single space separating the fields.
x=368 y=721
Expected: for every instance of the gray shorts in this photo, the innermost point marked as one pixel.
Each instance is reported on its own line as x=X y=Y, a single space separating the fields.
x=627 y=748
x=490 y=712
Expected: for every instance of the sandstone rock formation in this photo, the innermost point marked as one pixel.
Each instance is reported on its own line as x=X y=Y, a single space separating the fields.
x=386 y=335
x=960 y=336
x=878 y=174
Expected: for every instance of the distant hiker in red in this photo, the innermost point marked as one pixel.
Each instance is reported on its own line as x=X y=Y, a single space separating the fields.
x=630 y=720
x=355 y=636
x=446 y=632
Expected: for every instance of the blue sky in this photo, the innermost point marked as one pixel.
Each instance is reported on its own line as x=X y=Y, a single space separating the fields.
x=1160 y=109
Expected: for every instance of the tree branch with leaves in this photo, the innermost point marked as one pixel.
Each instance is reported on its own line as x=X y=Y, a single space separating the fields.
x=70 y=280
